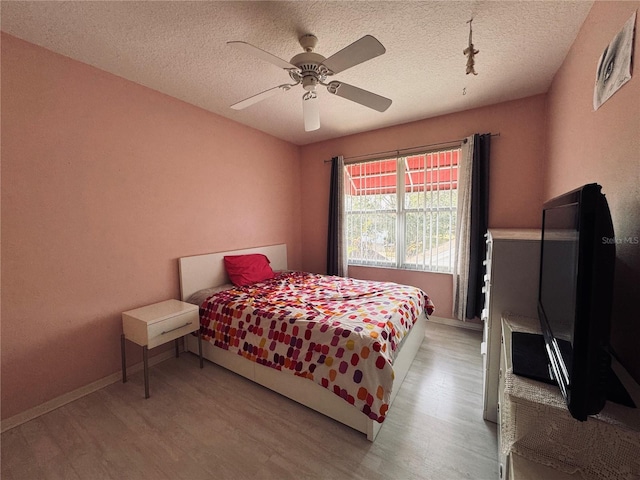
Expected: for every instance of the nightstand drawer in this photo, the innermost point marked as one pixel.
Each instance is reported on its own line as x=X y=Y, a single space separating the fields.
x=171 y=328
x=160 y=323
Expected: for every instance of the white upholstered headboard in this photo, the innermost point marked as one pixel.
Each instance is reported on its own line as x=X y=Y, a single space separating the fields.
x=204 y=271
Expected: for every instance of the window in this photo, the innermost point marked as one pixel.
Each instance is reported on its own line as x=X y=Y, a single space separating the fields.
x=401 y=212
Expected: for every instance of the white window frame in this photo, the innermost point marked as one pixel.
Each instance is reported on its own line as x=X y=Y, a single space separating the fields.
x=401 y=212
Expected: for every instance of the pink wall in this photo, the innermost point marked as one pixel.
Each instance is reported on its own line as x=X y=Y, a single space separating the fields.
x=515 y=178
x=105 y=183
x=602 y=146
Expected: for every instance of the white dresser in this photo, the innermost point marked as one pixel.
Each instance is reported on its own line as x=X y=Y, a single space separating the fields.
x=511 y=285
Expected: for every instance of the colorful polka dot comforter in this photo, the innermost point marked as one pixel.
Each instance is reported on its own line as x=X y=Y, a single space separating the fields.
x=339 y=332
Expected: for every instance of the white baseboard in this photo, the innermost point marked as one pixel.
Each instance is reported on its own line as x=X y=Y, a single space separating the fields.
x=58 y=402
x=456 y=323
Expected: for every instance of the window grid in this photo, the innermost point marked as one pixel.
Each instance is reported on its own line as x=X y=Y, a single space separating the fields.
x=401 y=211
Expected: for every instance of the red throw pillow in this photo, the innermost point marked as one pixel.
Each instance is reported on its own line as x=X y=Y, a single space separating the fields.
x=246 y=269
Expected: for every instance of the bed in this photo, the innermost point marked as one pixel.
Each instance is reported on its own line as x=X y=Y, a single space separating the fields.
x=206 y=271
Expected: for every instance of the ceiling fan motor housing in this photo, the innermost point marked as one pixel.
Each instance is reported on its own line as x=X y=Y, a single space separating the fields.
x=311 y=72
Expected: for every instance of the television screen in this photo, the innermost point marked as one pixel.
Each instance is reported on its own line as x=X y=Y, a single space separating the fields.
x=558 y=288
x=575 y=296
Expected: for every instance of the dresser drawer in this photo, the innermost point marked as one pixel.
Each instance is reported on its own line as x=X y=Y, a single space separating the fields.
x=171 y=328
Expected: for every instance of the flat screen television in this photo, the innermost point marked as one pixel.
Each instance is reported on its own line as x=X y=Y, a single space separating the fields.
x=575 y=296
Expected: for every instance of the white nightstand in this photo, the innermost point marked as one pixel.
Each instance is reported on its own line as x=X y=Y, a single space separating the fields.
x=155 y=325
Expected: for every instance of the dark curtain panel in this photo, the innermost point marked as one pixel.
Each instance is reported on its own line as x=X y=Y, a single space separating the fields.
x=333 y=238
x=479 y=223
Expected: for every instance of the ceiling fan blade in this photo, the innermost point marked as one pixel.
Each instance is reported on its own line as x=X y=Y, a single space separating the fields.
x=358 y=95
x=359 y=51
x=266 y=56
x=259 y=97
x=310 y=112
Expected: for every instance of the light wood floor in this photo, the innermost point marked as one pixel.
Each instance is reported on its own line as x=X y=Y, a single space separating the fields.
x=213 y=424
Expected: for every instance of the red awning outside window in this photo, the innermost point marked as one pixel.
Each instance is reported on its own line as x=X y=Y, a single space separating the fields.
x=433 y=171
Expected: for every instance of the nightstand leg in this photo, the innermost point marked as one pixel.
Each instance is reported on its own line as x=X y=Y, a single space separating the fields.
x=124 y=359
x=200 y=349
x=145 y=360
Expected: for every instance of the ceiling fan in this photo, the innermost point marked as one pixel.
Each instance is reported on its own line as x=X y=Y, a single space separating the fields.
x=311 y=69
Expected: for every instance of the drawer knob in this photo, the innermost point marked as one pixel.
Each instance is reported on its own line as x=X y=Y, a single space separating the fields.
x=177 y=328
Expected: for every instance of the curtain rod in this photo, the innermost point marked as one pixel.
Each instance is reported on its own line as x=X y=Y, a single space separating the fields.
x=410 y=148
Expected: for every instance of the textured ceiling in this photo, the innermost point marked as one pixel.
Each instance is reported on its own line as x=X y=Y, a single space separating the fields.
x=179 y=48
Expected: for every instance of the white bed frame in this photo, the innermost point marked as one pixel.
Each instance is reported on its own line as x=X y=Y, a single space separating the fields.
x=204 y=271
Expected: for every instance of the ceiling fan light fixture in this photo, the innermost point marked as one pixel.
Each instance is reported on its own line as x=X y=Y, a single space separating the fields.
x=310 y=111
x=309 y=82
